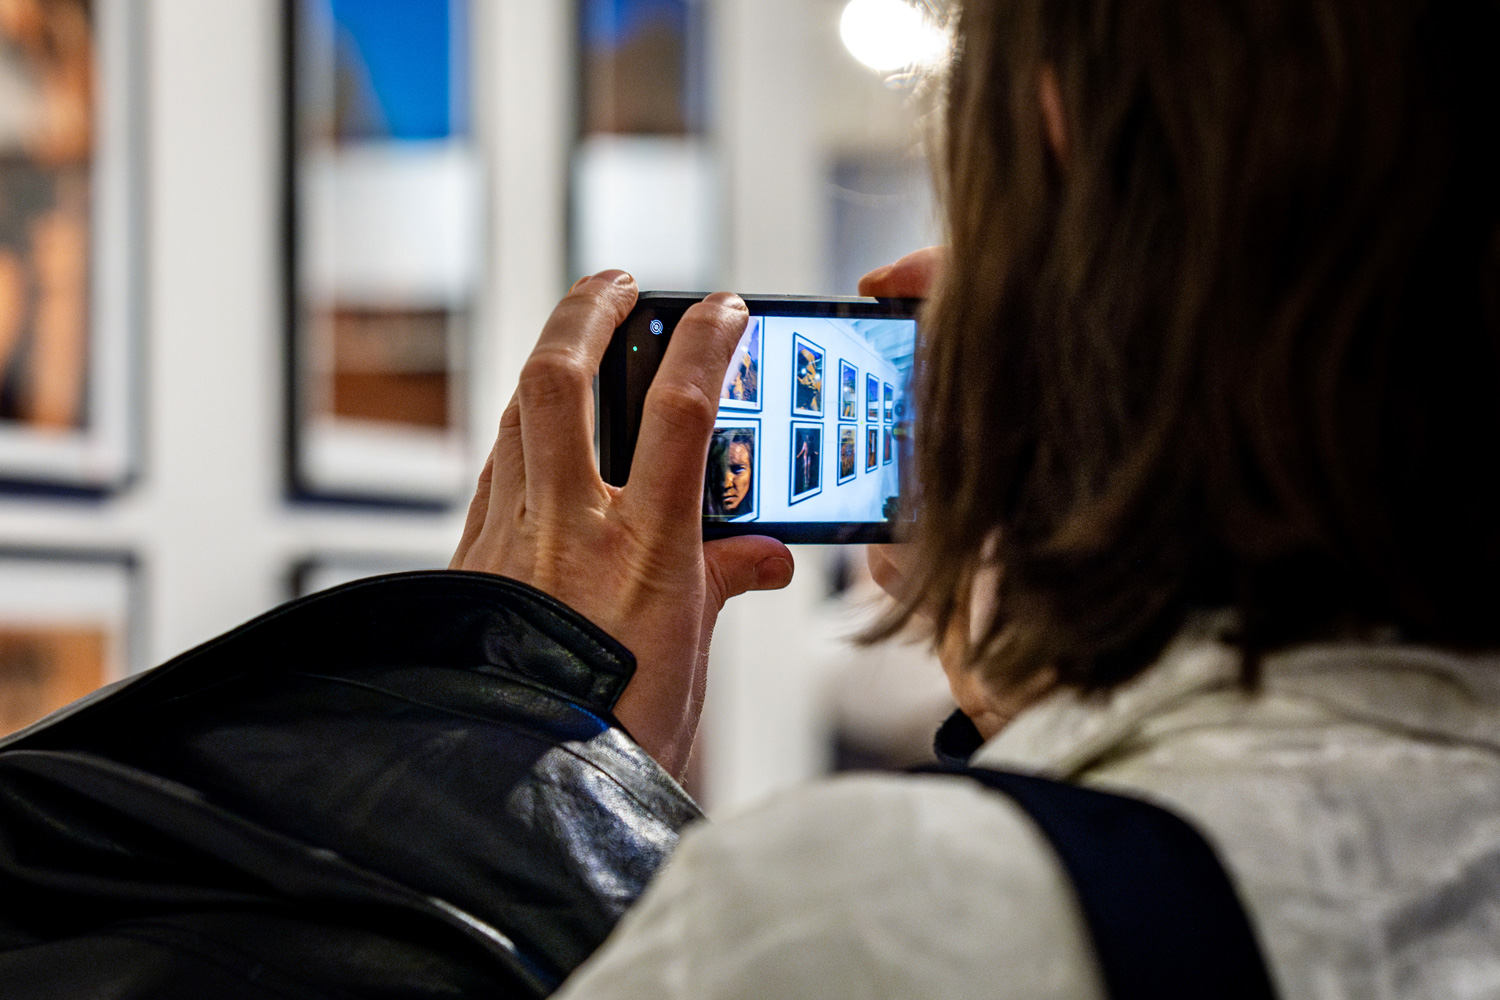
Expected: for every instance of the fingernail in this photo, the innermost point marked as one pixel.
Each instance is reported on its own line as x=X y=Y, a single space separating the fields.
x=579 y=283
x=615 y=276
x=878 y=274
x=726 y=299
x=773 y=573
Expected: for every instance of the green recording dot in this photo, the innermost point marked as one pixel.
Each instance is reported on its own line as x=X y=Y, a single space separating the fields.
x=634 y=348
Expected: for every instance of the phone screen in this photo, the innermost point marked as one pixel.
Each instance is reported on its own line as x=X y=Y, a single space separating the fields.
x=809 y=417
x=813 y=422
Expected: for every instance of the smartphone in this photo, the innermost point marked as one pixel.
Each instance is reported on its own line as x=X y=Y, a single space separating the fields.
x=813 y=428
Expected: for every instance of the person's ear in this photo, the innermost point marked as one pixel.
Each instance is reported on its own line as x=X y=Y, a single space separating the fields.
x=1049 y=95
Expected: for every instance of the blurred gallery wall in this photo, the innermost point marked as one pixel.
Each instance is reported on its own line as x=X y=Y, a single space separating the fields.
x=269 y=269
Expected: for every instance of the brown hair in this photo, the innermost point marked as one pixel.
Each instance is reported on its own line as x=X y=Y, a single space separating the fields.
x=1238 y=350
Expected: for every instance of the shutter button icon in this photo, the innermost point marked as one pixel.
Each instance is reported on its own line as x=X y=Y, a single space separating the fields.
x=656 y=327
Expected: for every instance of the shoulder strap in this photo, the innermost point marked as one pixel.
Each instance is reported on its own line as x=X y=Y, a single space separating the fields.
x=1164 y=918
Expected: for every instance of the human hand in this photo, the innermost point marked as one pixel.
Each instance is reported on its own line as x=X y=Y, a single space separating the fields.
x=631 y=559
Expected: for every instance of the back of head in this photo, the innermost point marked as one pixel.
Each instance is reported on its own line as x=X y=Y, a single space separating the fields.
x=1232 y=342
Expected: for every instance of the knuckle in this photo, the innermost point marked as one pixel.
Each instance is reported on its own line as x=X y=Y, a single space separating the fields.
x=683 y=405
x=549 y=375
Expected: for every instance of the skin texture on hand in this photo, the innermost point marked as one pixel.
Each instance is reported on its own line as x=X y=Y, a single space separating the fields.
x=631 y=559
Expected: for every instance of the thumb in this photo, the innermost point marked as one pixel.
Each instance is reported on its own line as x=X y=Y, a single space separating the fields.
x=745 y=562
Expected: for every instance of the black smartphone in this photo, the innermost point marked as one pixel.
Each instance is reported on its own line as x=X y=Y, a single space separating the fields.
x=813 y=427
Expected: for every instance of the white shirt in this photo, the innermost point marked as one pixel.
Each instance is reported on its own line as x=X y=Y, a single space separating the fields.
x=1354 y=800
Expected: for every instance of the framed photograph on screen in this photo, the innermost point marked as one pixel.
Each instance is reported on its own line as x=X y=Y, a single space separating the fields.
x=888 y=444
x=384 y=241
x=890 y=403
x=872 y=398
x=731 y=480
x=872 y=448
x=68 y=626
x=70 y=237
x=808 y=376
x=742 y=382
x=848 y=452
x=807 y=461
x=848 y=391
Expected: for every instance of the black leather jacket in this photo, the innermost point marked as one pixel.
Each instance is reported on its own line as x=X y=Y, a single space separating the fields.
x=411 y=786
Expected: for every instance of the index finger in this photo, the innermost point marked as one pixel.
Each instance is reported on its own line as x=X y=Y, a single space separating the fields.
x=911 y=277
x=556 y=389
x=666 y=474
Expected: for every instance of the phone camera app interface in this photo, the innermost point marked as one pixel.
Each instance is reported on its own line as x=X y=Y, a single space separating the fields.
x=810 y=419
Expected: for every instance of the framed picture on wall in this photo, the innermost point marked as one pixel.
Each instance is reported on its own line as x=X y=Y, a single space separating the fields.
x=887 y=440
x=807 y=461
x=890 y=403
x=731 y=480
x=808 y=376
x=742 y=382
x=872 y=448
x=324 y=570
x=70 y=238
x=384 y=242
x=872 y=398
x=68 y=625
x=848 y=452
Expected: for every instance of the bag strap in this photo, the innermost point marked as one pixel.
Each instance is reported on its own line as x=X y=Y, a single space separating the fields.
x=1163 y=915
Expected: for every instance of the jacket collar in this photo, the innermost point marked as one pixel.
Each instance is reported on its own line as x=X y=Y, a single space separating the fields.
x=1424 y=692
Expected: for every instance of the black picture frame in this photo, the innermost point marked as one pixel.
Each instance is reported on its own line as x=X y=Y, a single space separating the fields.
x=848 y=391
x=417 y=463
x=800 y=390
x=730 y=423
x=82 y=435
x=753 y=344
x=59 y=606
x=324 y=570
x=810 y=466
x=848 y=437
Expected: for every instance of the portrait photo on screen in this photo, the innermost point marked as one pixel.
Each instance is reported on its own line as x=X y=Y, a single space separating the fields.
x=742 y=382
x=872 y=448
x=807 y=377
x=890 y=403
x=807 y=461
x=848 y=446
x=848 y=391
x=730 y=482
x=889 y=436
x=872 y=398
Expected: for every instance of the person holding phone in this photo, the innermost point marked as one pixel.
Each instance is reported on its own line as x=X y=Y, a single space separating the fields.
x=1207 y=434
x=1208 y=437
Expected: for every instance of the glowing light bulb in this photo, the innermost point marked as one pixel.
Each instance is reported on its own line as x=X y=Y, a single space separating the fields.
x=889 y=35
